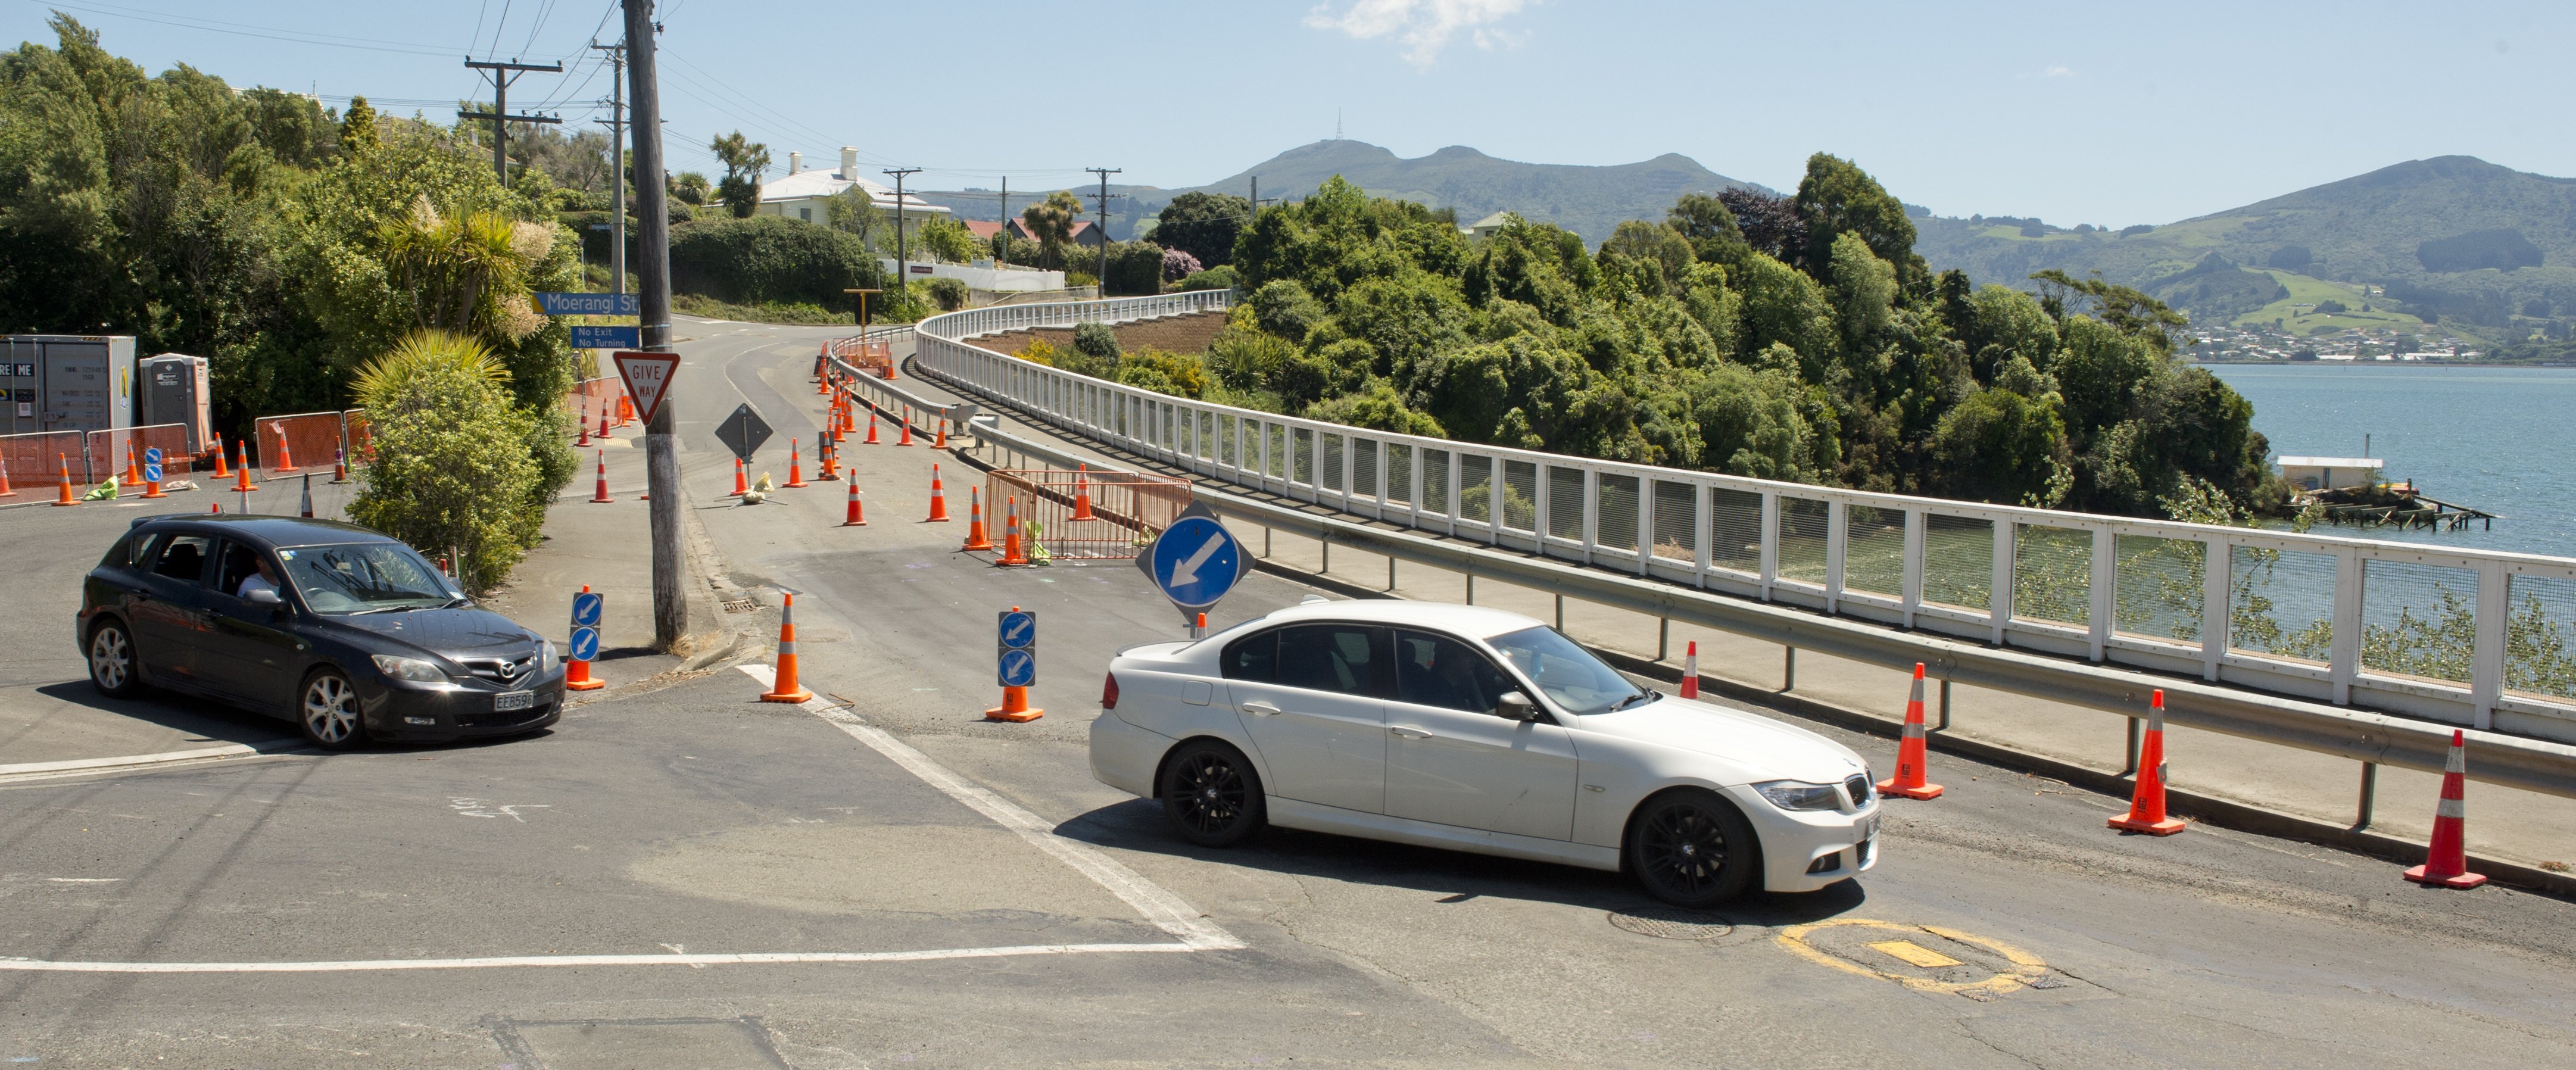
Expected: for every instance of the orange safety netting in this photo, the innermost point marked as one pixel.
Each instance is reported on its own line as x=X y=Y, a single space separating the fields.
x=1084 y=514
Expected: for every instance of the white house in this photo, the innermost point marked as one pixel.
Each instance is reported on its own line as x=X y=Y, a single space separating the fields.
x=2330 y=473
x=801 y=195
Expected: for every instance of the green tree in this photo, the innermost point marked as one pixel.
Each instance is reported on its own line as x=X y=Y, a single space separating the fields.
x=744 y=161
x=946 y=239
x=450 y=473
x=1051 y=220
x=1837 y=198
x=1204 y=225
x=853 y=212
x=690 y=187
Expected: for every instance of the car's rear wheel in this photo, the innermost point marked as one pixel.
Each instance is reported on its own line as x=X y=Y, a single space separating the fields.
x=1692 y=849
x=113 y=668
x=1211 y=795
x=328 y=710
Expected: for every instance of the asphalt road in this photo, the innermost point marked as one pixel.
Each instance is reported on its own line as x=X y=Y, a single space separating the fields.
x=880 y=846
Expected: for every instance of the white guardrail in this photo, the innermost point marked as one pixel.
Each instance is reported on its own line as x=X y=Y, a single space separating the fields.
x=2486 y=640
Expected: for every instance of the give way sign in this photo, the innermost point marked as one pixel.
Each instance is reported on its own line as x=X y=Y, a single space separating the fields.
x=647 y=377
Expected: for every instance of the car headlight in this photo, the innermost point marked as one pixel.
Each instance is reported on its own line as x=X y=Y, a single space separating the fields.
x=413 y=669
x=546 y=656
x=1799 y=795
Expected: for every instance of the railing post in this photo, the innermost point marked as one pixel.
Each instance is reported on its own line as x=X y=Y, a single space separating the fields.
x=1837 y=536
x=2369 y=796
x=1456 y=493
x=1645 y=521
x=1917 y=527
x=2495 y=604
x=1701 y=524
x=2000 y=598
x=2215 y=584
x=1591 y=513
x=1770 y=541
x=2345 y=651
x=1495 y=495
x=2105 y=591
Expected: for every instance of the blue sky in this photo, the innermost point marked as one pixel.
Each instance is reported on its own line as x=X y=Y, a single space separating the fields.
x=2107 y=114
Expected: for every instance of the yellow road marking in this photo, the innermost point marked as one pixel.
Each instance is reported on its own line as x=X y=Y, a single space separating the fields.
x=1916 y=953
x=2026 y=967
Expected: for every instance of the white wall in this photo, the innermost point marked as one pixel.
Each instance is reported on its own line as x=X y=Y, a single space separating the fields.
x=995 y=279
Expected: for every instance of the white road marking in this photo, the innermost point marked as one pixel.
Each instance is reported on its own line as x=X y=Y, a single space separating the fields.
x=525 y=961
x=84 y=880
x=1166 y=911
x=224 y=751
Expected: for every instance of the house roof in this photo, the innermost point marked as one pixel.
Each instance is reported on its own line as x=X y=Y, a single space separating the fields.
x=2333 y=462
x=984 y=229
x=818 y=183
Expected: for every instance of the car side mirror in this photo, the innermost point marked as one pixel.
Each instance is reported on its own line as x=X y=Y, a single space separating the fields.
x=262 y=596
x=1514 y=706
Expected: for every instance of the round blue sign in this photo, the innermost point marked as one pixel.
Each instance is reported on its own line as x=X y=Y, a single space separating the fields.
x=1018 y=668
x=585 y=644
x=1196 y=561
x=152 y=456
x=585 y=609
x=1019 y=630
x=152 y=471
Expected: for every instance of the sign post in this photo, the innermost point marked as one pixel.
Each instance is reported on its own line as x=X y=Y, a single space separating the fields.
x=152 y=473
x=1195 y=562
x=586 y=609
x=1015 y=665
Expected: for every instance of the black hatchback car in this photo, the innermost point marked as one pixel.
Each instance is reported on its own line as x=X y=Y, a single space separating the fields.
x=345 y=631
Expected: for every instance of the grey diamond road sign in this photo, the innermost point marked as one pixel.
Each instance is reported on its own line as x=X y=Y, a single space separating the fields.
x=743 y=432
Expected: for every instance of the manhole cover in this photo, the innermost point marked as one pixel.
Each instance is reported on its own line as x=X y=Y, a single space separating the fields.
x=1672 y=924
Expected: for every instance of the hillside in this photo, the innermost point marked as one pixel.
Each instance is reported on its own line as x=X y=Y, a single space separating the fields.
x=1590 y=201
x=2453 y=236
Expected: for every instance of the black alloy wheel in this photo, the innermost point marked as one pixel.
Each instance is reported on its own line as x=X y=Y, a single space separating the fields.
x=327 y=709
x=1691 y=849
x=113 y=666
x=1211 y=795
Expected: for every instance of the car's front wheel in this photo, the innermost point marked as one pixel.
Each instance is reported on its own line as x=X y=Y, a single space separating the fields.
x=328 y=711
x=1211 y=795
x=1692 y=849
x=112 y=664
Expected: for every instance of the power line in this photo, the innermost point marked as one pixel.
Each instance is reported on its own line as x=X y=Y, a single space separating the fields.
x=240 y=29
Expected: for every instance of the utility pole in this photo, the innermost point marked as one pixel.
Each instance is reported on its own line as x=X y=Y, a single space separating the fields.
x=617 y=164
x=653 y=275
x=1104 y=173
x=501 y=77
x=902 y=264
x=1002 y=238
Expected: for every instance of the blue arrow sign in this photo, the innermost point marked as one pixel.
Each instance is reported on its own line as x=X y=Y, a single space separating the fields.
x=1196 y=560
x=1019 y=630
x=585 y=644
x=591 y=304
x=1018 y=668
x=152 y=465
x=585 y=609
x=585 y=336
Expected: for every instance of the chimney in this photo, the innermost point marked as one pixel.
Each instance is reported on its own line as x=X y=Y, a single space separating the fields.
x=849 y=164
x=795 y=162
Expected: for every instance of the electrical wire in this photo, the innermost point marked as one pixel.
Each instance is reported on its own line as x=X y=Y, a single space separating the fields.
x=242 y=29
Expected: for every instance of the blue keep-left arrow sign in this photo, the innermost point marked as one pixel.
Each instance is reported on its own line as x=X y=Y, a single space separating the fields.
x=1019 y=630
x=1018 y=668
x=585 y=609
x=1195 y=561
x=585 y=644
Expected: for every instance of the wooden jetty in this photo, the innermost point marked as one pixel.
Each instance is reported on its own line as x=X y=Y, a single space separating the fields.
x=2399 y=506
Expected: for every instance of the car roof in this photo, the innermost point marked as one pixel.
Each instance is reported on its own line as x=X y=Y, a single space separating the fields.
x=1479 y=621
x=273 y=532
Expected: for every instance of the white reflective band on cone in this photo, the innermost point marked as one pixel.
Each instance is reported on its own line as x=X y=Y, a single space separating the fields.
x=2451 y=808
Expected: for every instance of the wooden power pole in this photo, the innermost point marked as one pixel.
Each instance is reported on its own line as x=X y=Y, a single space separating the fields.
x=502 y=75
x=1104 y=173
x=653 y=277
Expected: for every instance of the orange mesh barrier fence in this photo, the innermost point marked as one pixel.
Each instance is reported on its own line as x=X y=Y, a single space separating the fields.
x=589 y=395
x=355 y=430
x=170 y=439
x=1085 y=515
x=310 y=440
x=35 y=460
x=870 y=358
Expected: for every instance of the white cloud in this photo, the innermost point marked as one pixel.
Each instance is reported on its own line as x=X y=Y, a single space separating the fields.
x=2057 y=71
x=1424 y=26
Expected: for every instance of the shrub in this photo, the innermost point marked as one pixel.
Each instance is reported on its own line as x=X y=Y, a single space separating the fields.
x=1038 y=351
x=1215 y=278
x=1135 y=267
x=771 y=260
x=452 y=470
x=1096 y=340
x=948 y=294
x=1164 y=372
x=1178 y=265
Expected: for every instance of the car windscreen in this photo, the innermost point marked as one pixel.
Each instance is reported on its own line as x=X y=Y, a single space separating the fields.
x=1572 y=678
x=364 y=578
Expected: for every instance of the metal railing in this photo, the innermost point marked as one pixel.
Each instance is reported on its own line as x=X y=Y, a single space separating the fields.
x=2465 y=637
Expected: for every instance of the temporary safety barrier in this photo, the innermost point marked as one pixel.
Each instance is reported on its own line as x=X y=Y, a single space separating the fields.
x=1125 y=509
x=307 y=438
x=593 y=396
x=872 y=359
x=2276 y=612
x=36 y=458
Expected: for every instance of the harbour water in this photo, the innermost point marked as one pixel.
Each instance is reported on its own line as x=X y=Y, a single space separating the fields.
x=2498 y=439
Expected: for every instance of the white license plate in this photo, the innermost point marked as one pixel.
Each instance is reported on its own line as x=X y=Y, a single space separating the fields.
x=513 y=700
x=1866 y=830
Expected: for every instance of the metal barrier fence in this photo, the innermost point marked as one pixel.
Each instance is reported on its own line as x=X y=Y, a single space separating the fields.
x=300 y=441
x=869 y=358
x=170 y=439
x=1084 y=514
x=2465 y=637
x=589 y=397
x=38 y=459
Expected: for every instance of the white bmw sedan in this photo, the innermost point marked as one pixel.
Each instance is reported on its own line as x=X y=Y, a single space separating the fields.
x=1477 y=730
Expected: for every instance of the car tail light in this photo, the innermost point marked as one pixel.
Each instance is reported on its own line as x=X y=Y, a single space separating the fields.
x=1109 y=691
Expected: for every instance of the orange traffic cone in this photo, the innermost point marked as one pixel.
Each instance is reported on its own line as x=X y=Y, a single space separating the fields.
x=65 y=497
x=783 y=687
x=856 y=518
x=1199 y=629
x=151 y=487
x=872 y=429
x=133 y=474
x=339 y=465
x=5 y=491
x=581 y=427
x=600 y=496
x=213 y=508
x=1908 y=781
x=889 y=370
x=795 y=467
x=285 y=457
x=827 y=460
x=840 y=418
x=1690 y=671
x=941 y=442
x=241 y=469
x=577 y=670
x=2446 y=859
x=1015 y=703
x=976 y=537
x=2147 y=807
x=1012 y=552
x=740 y=487
x=938 y=500
x=220 y=471
x=906 y=439
x=603 y=421
x=1082 y=493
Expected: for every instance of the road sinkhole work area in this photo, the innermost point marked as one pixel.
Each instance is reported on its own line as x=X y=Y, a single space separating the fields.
x=679 y=874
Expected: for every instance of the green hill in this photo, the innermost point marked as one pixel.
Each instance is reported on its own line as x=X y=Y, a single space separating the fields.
x=2453 y=237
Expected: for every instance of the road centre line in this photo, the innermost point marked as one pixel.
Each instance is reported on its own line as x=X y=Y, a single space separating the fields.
x=524 y=961
x=1165 y=910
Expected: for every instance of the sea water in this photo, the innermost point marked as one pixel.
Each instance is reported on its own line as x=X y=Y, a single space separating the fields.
x=2498 y=439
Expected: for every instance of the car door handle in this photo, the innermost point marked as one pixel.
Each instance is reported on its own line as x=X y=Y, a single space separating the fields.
x=1260 y=709
x=1409 y=732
